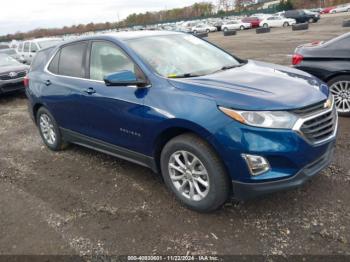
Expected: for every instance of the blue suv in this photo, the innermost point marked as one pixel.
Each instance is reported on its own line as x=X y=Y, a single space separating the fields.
x=212 y=124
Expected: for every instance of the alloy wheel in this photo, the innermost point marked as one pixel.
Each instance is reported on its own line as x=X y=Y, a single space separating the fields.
x=188 y=175
x=47 y=129
x=341 y=93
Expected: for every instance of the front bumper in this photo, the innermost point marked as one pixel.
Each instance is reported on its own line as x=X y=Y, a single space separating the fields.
x=11 y=85
x=244 y=191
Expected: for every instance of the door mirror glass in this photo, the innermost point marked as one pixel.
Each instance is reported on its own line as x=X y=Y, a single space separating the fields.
x=123 y=78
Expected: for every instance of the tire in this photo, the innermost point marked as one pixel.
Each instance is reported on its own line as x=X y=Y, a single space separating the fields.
x=225 y=29
x=52 y=137
x=195 y=32
x=208 y=31
x=340 y=88
x=311 y=20
x=217 y=191
x=242 y=28
x=286 y=24
x=265 y=26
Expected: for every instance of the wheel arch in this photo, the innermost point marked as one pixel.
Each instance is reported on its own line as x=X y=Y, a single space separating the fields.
x=173 y=131
x=337 y=74
x=36 y=108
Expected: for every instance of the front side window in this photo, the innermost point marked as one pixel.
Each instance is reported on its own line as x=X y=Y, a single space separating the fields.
x=20 y=47
x=72 y=60
x=107 y=58
x=180 y=54
x=33 y=48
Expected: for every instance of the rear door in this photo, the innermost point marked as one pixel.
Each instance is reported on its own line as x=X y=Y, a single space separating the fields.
x=66 y=84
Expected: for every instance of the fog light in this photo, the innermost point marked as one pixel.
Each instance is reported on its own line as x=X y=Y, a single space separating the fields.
x=257 y=164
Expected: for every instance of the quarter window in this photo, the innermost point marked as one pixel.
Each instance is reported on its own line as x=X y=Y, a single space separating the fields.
x=107 y=58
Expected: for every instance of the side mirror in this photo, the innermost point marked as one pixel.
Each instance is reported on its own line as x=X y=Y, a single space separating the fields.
x=33 y=51
x=123 y=78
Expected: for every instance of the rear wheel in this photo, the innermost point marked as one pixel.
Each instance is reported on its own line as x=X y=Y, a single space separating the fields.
x=340 y=88
x=208 y=31
x=49 y=130
x=286 y=24
x=242 y=27
x=195 y=32
x=225 y=29
x=194 y=173
x=265 y=25
x=311 y=20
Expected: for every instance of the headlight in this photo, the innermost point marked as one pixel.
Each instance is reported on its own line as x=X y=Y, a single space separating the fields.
x=266 y=119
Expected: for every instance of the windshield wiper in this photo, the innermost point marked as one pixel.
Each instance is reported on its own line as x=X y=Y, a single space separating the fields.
x=224 y=68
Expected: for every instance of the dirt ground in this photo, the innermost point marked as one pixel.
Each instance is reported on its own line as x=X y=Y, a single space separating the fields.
x=82 y=202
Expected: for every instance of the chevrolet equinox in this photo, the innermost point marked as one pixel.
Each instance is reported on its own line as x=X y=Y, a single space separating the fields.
x=212 y=124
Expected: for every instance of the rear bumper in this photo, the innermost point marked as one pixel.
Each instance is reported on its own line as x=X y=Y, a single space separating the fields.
x=244 y=191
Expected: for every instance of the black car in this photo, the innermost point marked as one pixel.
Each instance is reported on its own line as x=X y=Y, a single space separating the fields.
x=329 y=61
x=301 y=16
x=12 y=74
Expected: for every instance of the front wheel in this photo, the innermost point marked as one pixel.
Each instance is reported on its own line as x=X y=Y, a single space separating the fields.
x=265 y=25
x=49 y=130
x=194 y=173
x=242 y=27
x=286 y=24
x=208 y=31
x=225 y=29
x=195 y=32
x=340 y=88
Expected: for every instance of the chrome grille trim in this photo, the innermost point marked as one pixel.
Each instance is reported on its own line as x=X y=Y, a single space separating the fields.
x=319 y=127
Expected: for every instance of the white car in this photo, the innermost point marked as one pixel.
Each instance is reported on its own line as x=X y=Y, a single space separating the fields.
x=341 y=8
x=277 y=21
x=28 y=49
x=203 y=28
x=235 y=25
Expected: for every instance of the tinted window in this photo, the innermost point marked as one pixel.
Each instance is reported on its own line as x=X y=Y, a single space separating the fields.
x=26 y=47
x=107 y=58
x=48 y=43
x=72 y=59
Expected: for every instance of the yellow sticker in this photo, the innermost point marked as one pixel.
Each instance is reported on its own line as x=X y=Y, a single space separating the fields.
x=172 y=75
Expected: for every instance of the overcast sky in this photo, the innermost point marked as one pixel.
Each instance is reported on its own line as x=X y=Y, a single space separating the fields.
x=25 y=15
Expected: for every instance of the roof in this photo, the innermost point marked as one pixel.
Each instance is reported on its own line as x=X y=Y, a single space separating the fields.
x=141 y=34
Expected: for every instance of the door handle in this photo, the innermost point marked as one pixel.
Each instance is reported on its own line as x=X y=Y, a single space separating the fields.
x=90 y=91
x=47 y=82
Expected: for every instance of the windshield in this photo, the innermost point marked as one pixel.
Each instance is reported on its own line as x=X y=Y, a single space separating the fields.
x=181 y=55
x=6 y=60
x=48 y=43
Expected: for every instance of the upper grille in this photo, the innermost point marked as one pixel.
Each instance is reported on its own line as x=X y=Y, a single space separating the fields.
x=309 y=110
x=8 y=77
x=320 y=127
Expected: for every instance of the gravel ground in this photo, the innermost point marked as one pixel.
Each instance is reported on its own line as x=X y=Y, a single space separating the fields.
x=82 y=202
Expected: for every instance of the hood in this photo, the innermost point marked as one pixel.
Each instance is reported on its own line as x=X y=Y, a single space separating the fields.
x=8 y=69
x=258 y=86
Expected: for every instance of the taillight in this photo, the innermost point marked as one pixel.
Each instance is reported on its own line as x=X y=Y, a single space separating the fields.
x=297 y=59
x=26 y=81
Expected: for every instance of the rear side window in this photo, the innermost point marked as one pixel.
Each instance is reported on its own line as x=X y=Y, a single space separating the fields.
x=33 y=47
x=26 y=47
x=53 y=67
x=72 y=60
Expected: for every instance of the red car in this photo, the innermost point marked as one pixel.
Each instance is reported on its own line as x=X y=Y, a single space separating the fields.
x=254 y=21
x=327 y=10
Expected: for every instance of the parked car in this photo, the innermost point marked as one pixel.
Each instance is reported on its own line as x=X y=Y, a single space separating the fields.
x=340 y=9
x=11 y=52
x=12 y=74
x=28 y=49
x=315 y=16
x=253 y=21
x=301 y=16
x=203 y=28
x=327 y=10
x=4 y=46
x=329 y=61
x=235 y=25
x=277 y=21
x=212 y=124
